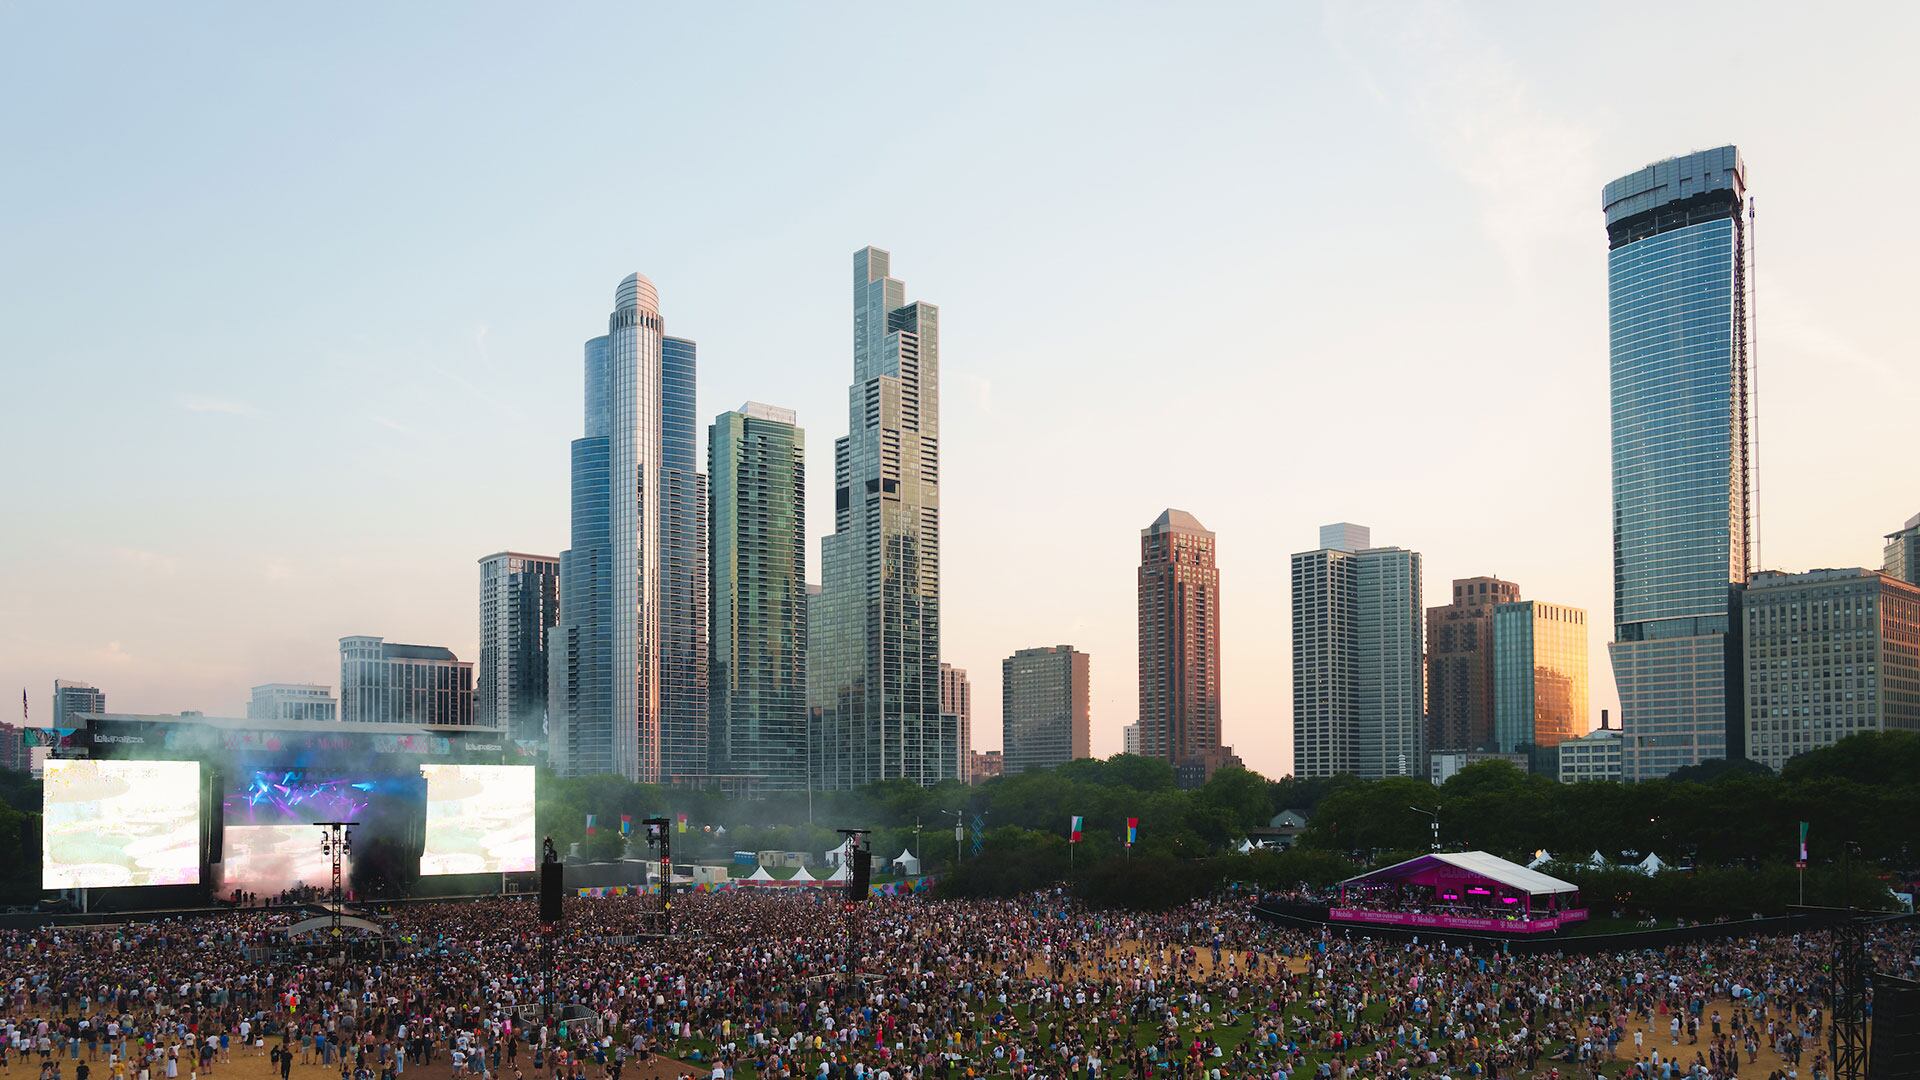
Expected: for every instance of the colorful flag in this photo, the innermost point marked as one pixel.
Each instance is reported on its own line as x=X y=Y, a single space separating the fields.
x=626 y=824
x=1074 y=830
x=683 y=822
x=1803 y=841
x=591 y=822
x=1133 y=831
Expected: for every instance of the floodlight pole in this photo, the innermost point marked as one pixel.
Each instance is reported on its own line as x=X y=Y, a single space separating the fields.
x=336 y=842
x=1435 y=815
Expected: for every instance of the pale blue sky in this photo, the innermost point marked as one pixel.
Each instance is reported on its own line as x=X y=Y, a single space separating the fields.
x=291 y=308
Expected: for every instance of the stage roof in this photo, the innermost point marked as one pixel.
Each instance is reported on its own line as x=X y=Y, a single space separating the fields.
x=1478 y=863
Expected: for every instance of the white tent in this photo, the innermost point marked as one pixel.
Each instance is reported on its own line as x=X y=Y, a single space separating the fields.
x=839 y=855
x=908 y=863
x=1246 y=846
x=1597 y=859
x=801 y=875
x=1651 y=864
x=759 y=874
x=1540 y=859
x=843 y=873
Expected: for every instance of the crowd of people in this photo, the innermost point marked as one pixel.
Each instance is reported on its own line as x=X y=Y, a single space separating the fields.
x=775 y=985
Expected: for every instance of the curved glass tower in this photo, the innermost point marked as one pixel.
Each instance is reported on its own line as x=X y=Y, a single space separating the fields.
x=1676 y=283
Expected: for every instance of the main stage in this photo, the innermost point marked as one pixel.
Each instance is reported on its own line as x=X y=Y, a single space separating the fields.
x=1464 y=891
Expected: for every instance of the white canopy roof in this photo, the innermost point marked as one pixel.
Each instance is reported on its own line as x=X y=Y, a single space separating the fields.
x=1652 y=864
x=759 y=874
x=844 y=872
x=802 y=875
x=1540 y=858
x=1596 y=859
x=1492 y=867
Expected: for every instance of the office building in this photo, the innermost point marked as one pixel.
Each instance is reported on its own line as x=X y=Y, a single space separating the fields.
x=1358 y=673
x=1460 y=664
x=874 y=682
x=1902 y=553
x=1829 y=654
x=1593 y=756
x=1540 y=677
x=383 y=682
x=986 y=765
x=71 y=699
x=1676 y=299
x=1444 y=765
x=956 y=701
x=627 y=662
x=519 y=603
x=684 y=719
x=293 y=701
x=756 y=464
x=1130 y=739
x=1045 y=711
x=13 y=748
x=1179 y=602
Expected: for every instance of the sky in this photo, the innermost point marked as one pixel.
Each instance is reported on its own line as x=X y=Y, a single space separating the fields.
x=292 y=300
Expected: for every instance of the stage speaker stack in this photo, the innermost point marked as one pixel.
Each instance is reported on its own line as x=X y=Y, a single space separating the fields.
x=862 y=875
x=1894 y=1050
x=550 y=893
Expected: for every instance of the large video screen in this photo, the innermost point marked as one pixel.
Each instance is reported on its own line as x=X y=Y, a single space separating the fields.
x=268 y=859
x=479 y=819
x=110 y=824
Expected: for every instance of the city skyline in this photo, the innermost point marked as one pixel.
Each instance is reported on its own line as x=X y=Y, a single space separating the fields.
x=165 y=570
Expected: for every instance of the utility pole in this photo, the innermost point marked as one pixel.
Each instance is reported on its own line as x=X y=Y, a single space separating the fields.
x=1435 y=815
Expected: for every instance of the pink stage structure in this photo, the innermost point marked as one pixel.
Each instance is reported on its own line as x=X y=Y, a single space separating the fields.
x=1468 y=891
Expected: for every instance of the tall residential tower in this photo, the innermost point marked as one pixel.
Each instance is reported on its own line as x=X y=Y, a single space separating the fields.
x=1676 y=300
x=1358 y=676
x=519 y=602
x=1179 y=606
x=756 y=458
x=874 y=684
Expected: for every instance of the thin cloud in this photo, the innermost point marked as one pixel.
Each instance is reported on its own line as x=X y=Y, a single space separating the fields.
x=225 y=406
x=149 y=561
x=391 y=424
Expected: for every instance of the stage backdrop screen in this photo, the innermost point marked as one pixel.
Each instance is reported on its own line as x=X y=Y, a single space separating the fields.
x=120 y=823
x=267 y=859
x=479 y=819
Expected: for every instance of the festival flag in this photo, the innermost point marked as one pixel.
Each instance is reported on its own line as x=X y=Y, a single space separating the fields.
x=683 y=822
x=591 y=822
x=1074 y=830
x=1803 y=841
x=1133 y=831
x=626 y=824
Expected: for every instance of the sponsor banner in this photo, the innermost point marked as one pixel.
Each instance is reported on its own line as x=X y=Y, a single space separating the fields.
x=1539 y=924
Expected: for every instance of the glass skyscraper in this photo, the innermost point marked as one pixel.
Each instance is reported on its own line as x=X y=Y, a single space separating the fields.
x=874 y=683
x=627 y=682
x=1539 y=676
x=519 y=602
x=1359 y=679
x=756 y=457
x=1676 y=280
x=1045 y=710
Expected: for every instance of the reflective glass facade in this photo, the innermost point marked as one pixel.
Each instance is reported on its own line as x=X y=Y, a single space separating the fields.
x=1677 y=329
x=683 y=570
x=874 y=684
x=1540 y=675
x=519 y=603
x=1045 y=710
x=757 y=464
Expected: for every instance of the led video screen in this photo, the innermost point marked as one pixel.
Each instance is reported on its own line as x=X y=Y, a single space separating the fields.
x=268 y=859
x=110 y=824
x=479 y=819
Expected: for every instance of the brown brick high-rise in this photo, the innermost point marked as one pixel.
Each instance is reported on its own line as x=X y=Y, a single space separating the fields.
x=1179 y=643
x=1460 y=664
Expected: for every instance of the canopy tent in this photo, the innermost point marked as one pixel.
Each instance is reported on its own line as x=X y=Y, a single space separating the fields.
x=801 y=875
x=844 y=872
x=1463 y=866
x=760 y=874
x=1540 y=859
x=1651 y=864
x=1245 y=846
x=907 y=863
x=839 y=855
x=1597 y=859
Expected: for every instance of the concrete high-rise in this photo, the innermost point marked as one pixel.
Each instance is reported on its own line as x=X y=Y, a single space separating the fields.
x=756 y=461
x=1902 y=553
x=384 y=682
x=294 y=701
x=627 y=679
x=1045 y=709
x=684 y=720
x=1358 y=675
x=71 y=698
x=1540 y=678
x=874 y=683
x=519 y=603
x=1460 y=664
x=1179 y=606
x=956 y=700
x=1829 y=654
x=1677 y=310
